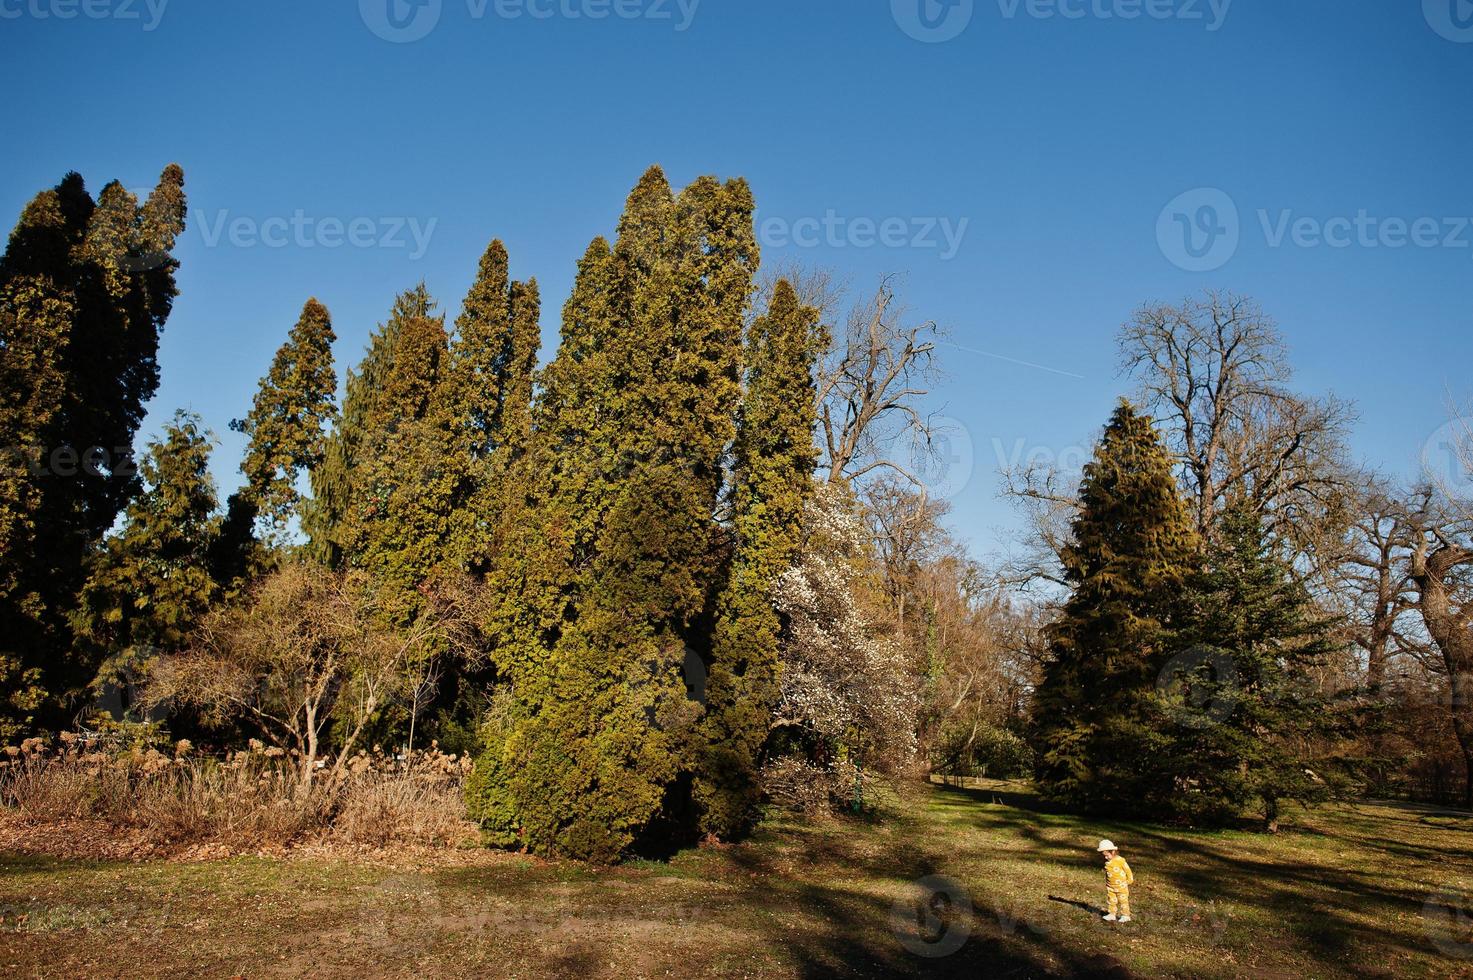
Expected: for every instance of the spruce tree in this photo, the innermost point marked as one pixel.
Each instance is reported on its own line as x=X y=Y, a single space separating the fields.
x=487 y=401
x=1238 y=706
x=327 y=514
x=287 y=424
x=773 y=462
x=1129 y=565
x=403 y=477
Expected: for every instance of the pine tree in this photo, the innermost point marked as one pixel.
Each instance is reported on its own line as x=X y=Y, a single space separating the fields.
x=287 y=422
x=85 y=289
x=1238 y=706
x=150 y=584
x=1129 y=565
x=773 y=463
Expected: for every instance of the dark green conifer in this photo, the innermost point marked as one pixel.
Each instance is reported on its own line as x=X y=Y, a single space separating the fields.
x=1129 y=565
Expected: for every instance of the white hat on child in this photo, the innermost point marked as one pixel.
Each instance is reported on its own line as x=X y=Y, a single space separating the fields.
x=1106 y=845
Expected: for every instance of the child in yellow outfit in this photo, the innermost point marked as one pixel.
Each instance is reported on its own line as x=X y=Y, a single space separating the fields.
x=1118 y=879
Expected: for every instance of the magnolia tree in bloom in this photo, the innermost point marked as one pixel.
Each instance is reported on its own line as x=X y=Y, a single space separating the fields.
x=848 y=698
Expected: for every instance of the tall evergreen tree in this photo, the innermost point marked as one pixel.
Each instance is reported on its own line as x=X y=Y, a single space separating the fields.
x=326 y=515
x=151 y=583
x=1238 y=709
x=773 y=463
x=620 y=571
x=1129 y=565
x=85 y=289
x=402 y=479
x=288 y=422
x=488 y=400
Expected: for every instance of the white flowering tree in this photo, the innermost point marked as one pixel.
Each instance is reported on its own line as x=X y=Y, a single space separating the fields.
x=848 y=696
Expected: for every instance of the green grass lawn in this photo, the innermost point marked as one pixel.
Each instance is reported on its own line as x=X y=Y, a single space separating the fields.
x=1339 y=892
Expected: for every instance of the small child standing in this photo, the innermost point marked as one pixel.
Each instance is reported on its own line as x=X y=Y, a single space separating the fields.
x=1117 y=882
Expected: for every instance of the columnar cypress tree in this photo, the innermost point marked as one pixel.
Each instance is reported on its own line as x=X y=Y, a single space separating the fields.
x=326 y=515
x=773 y=463
x=288 y=421
x=402 y=479
x=1131 y=560
x=620 y=568
x=85 y=289
x=488 y=400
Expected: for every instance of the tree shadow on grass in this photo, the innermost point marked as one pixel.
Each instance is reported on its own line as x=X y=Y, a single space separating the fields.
x=1324 y=906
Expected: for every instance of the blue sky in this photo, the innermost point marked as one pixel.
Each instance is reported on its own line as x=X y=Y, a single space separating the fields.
x=1054 y=140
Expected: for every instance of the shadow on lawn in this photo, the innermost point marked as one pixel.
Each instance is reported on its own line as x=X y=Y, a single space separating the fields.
x=852 y=932
x=1319 y=902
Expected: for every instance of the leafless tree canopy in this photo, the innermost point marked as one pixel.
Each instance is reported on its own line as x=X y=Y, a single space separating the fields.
x=870 y=388
x=1215 y=373
x=310 y=646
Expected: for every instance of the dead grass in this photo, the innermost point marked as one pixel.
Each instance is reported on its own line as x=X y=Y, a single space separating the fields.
x=255 y=801
x=1349 y=891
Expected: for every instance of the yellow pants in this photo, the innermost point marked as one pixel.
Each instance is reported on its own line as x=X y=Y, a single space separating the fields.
x=1119 y=900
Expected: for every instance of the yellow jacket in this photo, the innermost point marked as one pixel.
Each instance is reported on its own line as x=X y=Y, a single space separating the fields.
x=1117 y=874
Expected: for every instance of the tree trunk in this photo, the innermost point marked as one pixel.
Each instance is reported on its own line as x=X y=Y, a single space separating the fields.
x=1449 y=629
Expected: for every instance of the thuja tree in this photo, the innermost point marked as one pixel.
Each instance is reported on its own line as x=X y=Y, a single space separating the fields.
x=150 y=584
x=1130 y=563
x=773 y=462
x=85 y=289
x=288 y=423
x=610 y=588
x=487 y=402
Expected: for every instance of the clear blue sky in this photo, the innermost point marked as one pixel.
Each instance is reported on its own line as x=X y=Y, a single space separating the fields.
x=1059 y=140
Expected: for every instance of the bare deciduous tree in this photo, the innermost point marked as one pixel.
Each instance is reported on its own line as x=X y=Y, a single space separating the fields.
x=870 y=387
x=306 y=645
x=1215 y=373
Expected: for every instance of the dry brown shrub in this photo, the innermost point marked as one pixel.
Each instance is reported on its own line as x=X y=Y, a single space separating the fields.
x=248 y=801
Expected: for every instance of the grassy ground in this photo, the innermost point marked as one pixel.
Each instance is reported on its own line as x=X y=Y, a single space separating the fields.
x=1340 y=892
